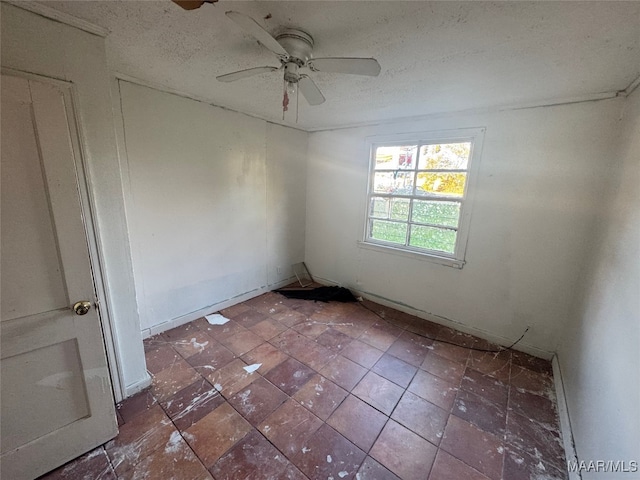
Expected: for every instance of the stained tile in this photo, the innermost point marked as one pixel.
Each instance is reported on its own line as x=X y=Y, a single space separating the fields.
x=219 y=332
x=458 y=338
x=178 y=333
x=161 y=356
x=433 y=389
x=482 y=413
x=362 y=353
x=378 y=392
x=267 y=329
x=288 y=317
x=328 y=454
x=533 y=382
x=378 y=337
x=311 y=327
x=497 y=365
x=288 y=340
x=358 y=422
x=267 y=303
x=249 y=318
x=425 y=328
x=540 y=408
x=267 y=355
x=394 y=369
x=444 y=368
x=421 y=417
x=251 y=458
x=138 y=438
x=403 y=452
x=410 y=348
x=212 y=357
x=353 y=324
x=235 y=310
x=311 y=354
x=334 y=340
x=321 y=396
x=172 y=379
x=451 y=352
x=476 y=448
x=174 y=459
x=257 y=400
x=94 y=465
x=138 y=403
x=521 y=466
x=192 y=344
x=401 y=319
x=530 y=362
x=344 y=372
x=231 y=378
x=192 y=403
x=533 y=438
x=487 y=387
x=289 y=427
x=448 y=467
x=372 y=470
x=290 y=376
x=213 y=435
x=242 y=342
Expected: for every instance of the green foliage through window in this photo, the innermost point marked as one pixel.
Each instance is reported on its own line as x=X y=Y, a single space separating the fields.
x=417 y=194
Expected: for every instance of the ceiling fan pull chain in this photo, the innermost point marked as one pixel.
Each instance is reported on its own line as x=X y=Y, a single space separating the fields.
x=297 y=102
x=285 y=99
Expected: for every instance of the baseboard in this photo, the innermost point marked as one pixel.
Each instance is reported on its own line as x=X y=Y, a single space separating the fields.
x=137 y=387
x=565 y=422
x=190 y=317
x=446 y=322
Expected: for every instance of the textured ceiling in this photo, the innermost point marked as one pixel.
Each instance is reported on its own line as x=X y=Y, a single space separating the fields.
x=435 y=56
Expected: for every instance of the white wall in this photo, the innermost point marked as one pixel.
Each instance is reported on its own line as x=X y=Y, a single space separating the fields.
x=541 y=176
x=600 y=351
x=32 y=43
x=215 y=203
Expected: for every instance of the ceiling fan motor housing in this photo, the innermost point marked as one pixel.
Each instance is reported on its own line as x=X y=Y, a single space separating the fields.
x=298 y=45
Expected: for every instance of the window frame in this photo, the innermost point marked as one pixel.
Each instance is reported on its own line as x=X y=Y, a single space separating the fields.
x=473 y=135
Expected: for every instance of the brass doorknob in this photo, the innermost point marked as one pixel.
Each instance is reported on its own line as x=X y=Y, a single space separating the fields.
x=81 y=308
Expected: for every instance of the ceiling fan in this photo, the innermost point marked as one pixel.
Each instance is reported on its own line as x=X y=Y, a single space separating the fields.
x=294 y=48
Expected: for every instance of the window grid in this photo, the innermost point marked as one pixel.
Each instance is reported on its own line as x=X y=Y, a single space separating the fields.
x=430 y=197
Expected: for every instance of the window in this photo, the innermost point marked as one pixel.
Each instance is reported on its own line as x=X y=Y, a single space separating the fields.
x=419 y=197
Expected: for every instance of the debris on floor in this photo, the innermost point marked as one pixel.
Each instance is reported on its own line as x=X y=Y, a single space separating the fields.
x=320 y=294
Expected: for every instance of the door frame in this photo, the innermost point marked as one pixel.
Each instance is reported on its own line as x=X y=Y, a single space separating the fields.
x=103 y=306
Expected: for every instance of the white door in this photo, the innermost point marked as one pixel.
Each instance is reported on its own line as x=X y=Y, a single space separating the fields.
x=56 y=398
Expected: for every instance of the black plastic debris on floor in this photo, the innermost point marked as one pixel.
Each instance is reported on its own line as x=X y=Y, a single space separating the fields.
x=320 y=294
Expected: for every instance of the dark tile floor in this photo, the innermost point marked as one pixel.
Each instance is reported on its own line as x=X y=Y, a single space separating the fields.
x=341 y=393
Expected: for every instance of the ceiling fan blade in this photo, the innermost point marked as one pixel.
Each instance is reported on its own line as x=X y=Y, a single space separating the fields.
x=250 y=26
x=192 y=4
x=355 y=66
x=249 y=72
x=310 y=91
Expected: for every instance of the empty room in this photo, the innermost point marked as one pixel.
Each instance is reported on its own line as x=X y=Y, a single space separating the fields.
x=370 y=240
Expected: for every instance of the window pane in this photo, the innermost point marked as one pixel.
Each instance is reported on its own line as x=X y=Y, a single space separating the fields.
x=398 y=183
x=397 y=157
x=436 y=213
x=446 y=184
x=433 y=238
x=379 y=207
x=389 y=231
x=445 y=156
x=390 y=208
x=400 y=209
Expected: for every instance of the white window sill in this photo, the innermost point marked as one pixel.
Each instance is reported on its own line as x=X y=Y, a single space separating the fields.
x=425 y=257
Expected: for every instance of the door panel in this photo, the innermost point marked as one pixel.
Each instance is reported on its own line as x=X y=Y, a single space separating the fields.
x=30 y=264
x=56 y=398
